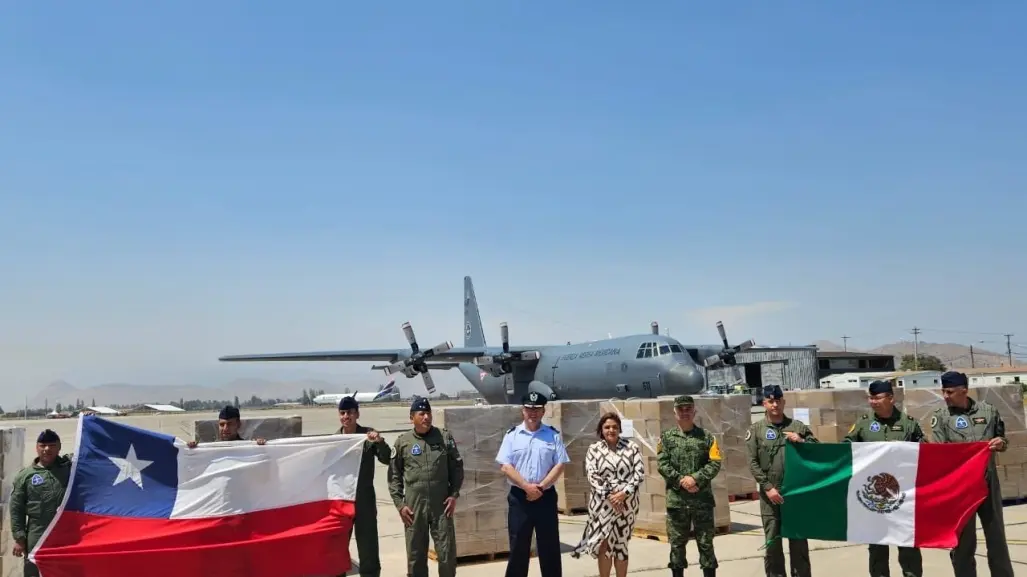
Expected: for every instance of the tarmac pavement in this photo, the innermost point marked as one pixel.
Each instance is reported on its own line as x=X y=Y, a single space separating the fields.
x=738 y=551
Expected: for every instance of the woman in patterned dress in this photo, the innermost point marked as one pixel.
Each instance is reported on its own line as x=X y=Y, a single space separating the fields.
x=615 y=472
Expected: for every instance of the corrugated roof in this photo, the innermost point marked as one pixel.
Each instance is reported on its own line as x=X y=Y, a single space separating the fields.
x=850 y=355
x=1020 y=370
x=102 y=410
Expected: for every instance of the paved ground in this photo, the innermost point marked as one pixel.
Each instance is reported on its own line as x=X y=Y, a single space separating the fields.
x=738 y=551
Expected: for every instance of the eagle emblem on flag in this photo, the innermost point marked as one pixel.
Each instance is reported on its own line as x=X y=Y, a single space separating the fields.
x=881 y=493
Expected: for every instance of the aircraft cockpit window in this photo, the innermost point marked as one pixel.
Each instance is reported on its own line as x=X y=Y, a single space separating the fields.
x=664 y=349
x=646 y=350
x=676 y=349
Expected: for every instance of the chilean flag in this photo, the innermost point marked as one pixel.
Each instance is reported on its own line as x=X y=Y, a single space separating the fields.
x=142 y=503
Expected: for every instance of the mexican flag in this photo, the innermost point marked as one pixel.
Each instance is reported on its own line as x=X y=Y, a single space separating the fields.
x=888 y=493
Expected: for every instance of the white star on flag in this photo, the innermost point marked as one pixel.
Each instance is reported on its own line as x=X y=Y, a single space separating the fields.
x=131 y=467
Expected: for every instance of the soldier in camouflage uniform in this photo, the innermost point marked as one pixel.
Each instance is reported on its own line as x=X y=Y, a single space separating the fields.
x=38 y=491
x=426 y=472
x=964 y=420
x=689 y=459
x=887 y=423
x=765 y=442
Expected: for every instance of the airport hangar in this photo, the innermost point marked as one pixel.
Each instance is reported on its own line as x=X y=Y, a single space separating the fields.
x=795 y=367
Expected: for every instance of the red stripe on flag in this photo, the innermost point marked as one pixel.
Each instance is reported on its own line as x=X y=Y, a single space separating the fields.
x=297 y=541
x=950 y=486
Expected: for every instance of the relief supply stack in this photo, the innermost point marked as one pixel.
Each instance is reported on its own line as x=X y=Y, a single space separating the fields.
x=830 y=413
x=12 y=460
x=267 y=428
x=577 y=422
x=481 y=514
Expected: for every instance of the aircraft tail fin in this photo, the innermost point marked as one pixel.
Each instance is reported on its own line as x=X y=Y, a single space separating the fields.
x=474 y=333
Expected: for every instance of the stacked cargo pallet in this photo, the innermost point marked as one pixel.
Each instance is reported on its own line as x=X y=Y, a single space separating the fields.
x=12 y=460
x=268 y=428
x=481 y=512
x=577 y=422
x=729 y=417
x=831 y=412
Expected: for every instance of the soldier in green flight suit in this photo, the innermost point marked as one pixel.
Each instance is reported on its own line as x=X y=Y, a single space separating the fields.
x=964 y=420
x=765 y=442
x=887 y=423
x=426 y=473
x=38 y=491
x=689 y=459
x=365 y=524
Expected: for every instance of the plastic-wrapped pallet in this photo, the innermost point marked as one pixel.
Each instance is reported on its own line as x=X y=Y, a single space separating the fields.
x=12 y=460
x=729 y=417
x=268 y=428
x=481 y=511
x=577 y=422
x=649 y=418
x=830 y=412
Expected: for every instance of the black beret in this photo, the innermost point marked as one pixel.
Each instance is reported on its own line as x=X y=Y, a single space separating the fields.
x=534 y=400
x=773 y=392
x=420 y=404
x=48 y=436
x=878 y=387
x=229 y=412
x=347 y=403
x=954 y=379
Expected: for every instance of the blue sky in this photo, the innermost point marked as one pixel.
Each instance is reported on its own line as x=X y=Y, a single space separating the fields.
x=183 y=180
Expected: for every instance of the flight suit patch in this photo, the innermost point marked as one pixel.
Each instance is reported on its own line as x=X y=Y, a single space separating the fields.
x=771 y=434
x=748 y=434
x=875 y=427
x=415 y=450
x=980 y=420
x=961 y=422
x=36 y=480
x=934 y=421
x=896 y=427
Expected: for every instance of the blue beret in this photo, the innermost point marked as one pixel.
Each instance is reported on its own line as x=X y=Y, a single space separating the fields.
x=229 y=412
x=534 y=400
x=878 y=387
x=420 y=404
x=48 y=436
x=347 y=403
x=954 y=379
x=773 y=392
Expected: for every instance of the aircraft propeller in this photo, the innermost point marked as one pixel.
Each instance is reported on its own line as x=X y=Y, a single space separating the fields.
x=504 y=359
x=417 y=361
x=727 y=356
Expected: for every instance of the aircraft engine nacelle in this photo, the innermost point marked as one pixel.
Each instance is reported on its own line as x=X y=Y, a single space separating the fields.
x=502 y=364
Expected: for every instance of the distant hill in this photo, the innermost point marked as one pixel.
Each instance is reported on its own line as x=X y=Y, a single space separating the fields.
x=952 y=354
x=127 y=394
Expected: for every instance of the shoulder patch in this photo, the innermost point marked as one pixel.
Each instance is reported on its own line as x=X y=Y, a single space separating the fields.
x=659 y=445
x=853 y=427
x=393 y=452
x=748 y=434
x=934 y=421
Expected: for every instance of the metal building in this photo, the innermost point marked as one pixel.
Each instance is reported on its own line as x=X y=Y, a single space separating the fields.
x=791 y=367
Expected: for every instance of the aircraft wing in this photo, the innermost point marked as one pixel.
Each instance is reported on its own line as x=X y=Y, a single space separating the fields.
x=454 y=355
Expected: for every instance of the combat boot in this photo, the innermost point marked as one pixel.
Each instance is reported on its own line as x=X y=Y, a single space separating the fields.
x=677 y=573
x=709 y=573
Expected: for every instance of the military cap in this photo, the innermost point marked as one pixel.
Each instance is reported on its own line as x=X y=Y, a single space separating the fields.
x=954 y=379
x=48 y=436
x=684 y=401
x=228 y=413
x=346 y=403
x=878 y=387
x=534 y=400
x=773 y=392
x=420 y=404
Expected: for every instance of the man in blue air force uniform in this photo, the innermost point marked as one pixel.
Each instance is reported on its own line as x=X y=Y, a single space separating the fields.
x=533 y=457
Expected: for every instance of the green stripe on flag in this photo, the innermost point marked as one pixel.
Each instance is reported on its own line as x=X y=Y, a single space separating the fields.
x=815 y=490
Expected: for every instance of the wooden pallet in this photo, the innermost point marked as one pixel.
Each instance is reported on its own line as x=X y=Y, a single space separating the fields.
x=744 y=497
x=573 y=511
x=662 y=537
x=475 y=559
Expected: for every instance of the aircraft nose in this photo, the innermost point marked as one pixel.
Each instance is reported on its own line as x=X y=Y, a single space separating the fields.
x=685 y=379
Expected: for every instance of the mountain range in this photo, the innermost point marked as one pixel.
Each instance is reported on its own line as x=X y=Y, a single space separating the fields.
x=953 y=355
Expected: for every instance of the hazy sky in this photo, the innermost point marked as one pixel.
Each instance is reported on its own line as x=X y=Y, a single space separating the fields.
x=183 y=180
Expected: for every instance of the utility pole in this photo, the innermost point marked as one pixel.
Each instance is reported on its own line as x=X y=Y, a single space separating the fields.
x=845 y=343
x=916 y=349
x=972 y=365
x=1009 y=349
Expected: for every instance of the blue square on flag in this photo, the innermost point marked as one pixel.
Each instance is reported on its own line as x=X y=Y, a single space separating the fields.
x=124 y=471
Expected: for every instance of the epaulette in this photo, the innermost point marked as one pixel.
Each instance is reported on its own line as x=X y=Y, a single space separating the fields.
x=555 y=429
x=511 y=429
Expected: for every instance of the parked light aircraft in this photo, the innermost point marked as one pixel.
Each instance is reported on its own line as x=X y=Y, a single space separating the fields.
x=644 y=365
x=387 y=393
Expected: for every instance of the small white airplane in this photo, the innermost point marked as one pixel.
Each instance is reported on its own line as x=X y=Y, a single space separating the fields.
x=388 y=393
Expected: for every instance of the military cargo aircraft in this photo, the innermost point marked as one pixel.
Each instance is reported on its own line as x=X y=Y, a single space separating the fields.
x=644 y=365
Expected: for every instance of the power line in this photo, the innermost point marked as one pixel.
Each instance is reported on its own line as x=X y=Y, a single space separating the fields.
x=916 y=349
x=1009 y=348
x=845 y=343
